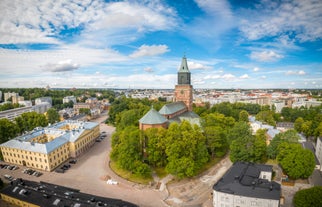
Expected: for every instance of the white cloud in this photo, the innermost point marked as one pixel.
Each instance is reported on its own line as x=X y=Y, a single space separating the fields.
x=61 y=66
x=263 y=77
x=265 y=56
x=256 y=69
x=245 y=76
x=18 y=61
x=294 y=72
x=146 y=50
x=299 y=19
x=148 y=69
x=44 y=21
x=197 y=66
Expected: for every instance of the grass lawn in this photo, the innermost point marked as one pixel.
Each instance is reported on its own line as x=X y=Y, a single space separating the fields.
x=160 y=171
x=129 y=176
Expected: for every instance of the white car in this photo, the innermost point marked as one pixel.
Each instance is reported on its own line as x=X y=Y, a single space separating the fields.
x=111 y=182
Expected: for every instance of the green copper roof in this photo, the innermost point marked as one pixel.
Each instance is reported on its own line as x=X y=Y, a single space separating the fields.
x=172 y=108
x=189 y=116
x=153 y=117
x=184 y=66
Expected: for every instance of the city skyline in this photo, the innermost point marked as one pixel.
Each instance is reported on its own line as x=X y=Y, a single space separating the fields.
x=139 y=44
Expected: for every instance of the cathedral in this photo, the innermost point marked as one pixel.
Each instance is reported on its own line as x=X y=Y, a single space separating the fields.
x=177 y=111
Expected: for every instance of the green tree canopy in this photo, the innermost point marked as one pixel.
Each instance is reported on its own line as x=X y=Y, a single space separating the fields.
x=8 y=130
x=243 y=116
x=310 y=197
x=52 y=116
x=186 y=149
x=289 y=136
x=295 y=161
x=30 y=120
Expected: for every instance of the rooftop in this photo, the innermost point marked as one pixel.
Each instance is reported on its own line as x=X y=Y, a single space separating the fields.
x=153 y=117
x=172 y=108
x=58 y=131
x=243 y=179
x=47 y=194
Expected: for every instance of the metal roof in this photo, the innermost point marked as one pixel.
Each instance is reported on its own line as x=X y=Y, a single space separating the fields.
x=153 y=117
x=184 y=66
x=172 y=108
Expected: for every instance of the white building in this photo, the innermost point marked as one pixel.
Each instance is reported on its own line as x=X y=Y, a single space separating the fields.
x=247 y=184
x=318 y=150
x=25 y=103
x=67 y=99
x=42 y=100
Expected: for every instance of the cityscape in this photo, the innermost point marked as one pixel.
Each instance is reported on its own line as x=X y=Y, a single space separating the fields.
x=161 y=103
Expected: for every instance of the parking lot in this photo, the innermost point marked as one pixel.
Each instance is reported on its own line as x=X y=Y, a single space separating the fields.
x=90 y=174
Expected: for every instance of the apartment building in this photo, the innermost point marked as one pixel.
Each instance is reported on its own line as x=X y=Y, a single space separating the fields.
x=47 y=148
x=247 y=184
x=42 y=100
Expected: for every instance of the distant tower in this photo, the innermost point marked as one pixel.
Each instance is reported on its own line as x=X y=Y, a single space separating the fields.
x=183 y=90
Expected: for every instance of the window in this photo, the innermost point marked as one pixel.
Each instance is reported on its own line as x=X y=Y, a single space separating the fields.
x=253 y=203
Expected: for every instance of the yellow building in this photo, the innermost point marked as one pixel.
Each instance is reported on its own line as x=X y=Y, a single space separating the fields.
x=47 y=148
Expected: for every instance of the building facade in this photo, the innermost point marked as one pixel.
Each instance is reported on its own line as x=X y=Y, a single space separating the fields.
x=47 y=148
x=246 y=185
x=318 y=151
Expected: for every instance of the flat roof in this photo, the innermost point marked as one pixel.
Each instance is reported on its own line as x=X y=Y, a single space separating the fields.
x=243 y=179
x=47 y=194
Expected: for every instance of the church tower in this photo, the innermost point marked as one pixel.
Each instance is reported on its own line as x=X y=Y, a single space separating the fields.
x=183 y=90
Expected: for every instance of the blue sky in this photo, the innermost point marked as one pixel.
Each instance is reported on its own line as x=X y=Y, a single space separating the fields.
x=139 y=44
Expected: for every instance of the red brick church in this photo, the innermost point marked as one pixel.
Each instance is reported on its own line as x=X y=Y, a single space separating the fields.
x=179 y=110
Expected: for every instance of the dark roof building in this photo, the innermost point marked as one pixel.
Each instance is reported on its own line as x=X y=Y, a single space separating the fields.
x=30 y=193
x=247 y=184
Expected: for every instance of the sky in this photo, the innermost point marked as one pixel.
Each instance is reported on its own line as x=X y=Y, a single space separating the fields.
x=229 y=44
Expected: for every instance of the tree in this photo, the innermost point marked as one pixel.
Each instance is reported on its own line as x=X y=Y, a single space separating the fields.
x=295 y=161
x=30 y=120
x=156 y=146
x=239 y=130
x=298 y=124
x=310 y=197
x=8 y=130
x=52 y=116
x=186 y=149
x=241 y=149
x=127 y=150
x=216 y=141
x=260 y=146
x=290 y=136
x=318 y=130
x=267 y=117
x=243 y=116
x=85 y=111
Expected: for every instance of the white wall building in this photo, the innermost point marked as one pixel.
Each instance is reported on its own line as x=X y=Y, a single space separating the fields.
x=318 y=151
x=245 y=185
x=67 y=99
x=42 y=100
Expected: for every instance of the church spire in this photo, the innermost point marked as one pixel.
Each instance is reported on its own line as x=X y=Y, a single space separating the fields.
x=184 y=65
x=184 y=73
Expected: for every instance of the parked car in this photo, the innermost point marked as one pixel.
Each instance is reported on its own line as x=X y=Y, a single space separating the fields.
x=73 y=161
x=59 y=170
x=8 y=177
